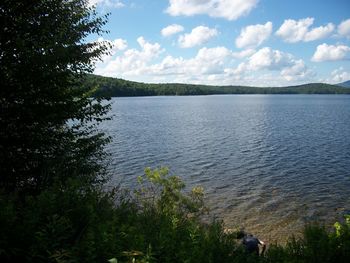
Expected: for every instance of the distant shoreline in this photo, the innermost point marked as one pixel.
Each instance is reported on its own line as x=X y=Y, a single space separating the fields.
x=251 y=94
x=114 y=87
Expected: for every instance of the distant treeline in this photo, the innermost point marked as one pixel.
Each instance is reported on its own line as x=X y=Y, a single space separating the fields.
x=113 y=87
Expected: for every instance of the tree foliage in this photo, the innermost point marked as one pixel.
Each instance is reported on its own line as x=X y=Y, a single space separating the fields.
x=47 y=116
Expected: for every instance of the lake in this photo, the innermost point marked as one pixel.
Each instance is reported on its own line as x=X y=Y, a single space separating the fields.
x=269 y=163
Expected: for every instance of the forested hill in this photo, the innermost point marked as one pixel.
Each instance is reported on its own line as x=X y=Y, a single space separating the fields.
x=113 y=87
x=345 y=84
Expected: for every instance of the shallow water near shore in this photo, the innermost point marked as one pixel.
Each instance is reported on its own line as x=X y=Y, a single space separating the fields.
x=269 y=163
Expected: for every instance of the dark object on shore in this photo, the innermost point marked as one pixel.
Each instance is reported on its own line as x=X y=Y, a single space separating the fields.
x=251 y=243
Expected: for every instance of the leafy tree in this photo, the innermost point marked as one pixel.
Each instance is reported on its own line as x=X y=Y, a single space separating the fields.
x=47 y=117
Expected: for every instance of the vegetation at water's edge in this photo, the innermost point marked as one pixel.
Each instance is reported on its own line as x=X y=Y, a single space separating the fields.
x=113 y=87
x=53 y=202
x=159 y=222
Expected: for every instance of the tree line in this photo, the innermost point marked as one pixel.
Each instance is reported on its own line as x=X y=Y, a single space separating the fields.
x=114 y=87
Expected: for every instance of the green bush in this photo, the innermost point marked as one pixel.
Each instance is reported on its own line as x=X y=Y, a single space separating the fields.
x=165 y=224
x=68 y=224
x=316 y=245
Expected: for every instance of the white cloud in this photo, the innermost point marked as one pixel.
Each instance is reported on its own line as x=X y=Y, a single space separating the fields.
x=116 y=46
x=171 y=30
x=207 y=66
x=132 y=61
x=326 y=52
x=319 y=32
x=106 y=3
x=344 y=28
x=228 y=9
x=339 y=75
x=198 y=36
x=216 y=66
x=254 y=35
x=266 y=58
x=243 y=54
x=298 y=71
x=294 y=31
x=208 y=61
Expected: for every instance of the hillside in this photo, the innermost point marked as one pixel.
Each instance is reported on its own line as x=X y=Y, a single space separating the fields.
x=114 y=87
x=345 y=84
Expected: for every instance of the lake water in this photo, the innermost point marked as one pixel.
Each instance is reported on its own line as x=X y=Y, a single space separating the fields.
x=268 y=163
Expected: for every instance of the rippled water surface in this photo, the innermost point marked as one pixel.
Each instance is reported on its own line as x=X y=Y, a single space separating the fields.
x=269 y=163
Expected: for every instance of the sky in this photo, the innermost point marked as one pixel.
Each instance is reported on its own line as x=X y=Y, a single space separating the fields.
x=227 y=42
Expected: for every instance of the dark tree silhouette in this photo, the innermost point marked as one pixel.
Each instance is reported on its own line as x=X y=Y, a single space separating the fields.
x=47 y=117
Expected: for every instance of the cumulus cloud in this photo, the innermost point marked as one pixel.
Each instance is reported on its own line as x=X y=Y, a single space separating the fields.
x=339 y=75
x=208 y=61
x=294 y=31
x=116 y=45
x=107 y=3
x=207 y=66
x=171 y=30
x=344 y=28
x=132 y=61
x=228 y=9
x=326 y=52
x=243 y=54
x=217 y=65
x=297 y=71
x=266 y=58
x=319 y=32
x=254 y=35
x=198 y=36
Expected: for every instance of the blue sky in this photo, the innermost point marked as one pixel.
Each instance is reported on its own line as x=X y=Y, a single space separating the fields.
x=227 y=42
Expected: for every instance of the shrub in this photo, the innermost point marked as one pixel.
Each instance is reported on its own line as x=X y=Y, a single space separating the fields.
x=316 y=245
x=166 y=226
x=67 y=224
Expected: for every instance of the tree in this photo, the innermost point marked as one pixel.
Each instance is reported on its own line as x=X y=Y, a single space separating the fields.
x=48 y=119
